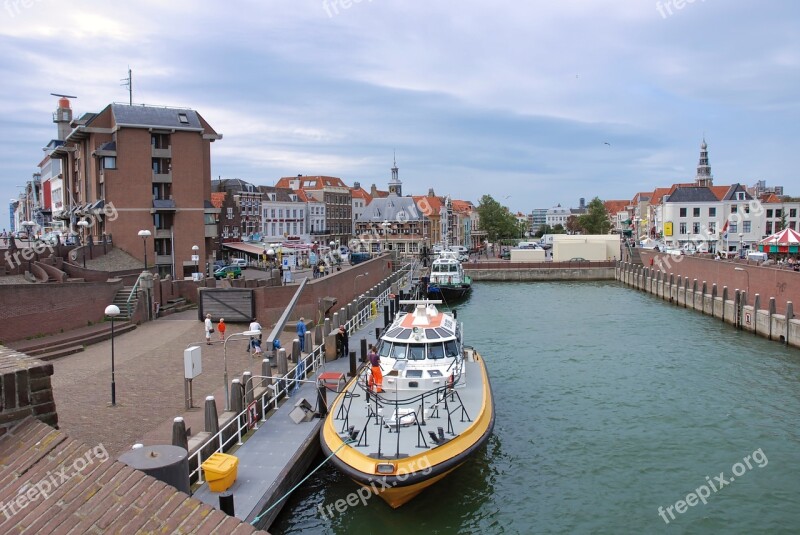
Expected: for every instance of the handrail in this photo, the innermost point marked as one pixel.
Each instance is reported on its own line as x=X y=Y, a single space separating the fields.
x=132 y=294
x=312 y=362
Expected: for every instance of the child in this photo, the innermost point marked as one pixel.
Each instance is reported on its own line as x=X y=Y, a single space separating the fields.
x=221 y=329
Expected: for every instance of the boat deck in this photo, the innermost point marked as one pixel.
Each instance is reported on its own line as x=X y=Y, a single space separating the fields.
x=402 y=428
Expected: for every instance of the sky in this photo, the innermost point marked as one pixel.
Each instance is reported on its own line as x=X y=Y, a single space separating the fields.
x=534 y=103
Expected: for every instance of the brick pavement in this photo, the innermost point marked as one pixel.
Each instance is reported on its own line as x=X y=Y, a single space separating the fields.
x=149 y=382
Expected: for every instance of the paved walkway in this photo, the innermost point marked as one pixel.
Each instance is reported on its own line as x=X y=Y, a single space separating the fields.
x=149 y=382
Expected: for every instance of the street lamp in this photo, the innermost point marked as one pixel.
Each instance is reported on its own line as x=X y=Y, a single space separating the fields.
x=741 y=245
x=144 y=234
x=196 y=258
x=28 y=225
x=225 y=361
x=83 y=224
x=112 y=311
x=357 y=276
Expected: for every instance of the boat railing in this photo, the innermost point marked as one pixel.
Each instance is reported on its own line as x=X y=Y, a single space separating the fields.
x=408 y=413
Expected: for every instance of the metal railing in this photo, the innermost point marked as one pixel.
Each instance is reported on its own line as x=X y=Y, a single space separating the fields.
x=237 y=427
x=132 y=295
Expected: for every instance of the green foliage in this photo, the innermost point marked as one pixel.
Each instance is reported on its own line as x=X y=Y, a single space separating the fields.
x=559 y=229
x=496 y=220
x=595 y=220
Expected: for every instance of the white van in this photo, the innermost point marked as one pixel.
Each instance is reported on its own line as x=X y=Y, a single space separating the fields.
x=241 y=262
x=757 y=256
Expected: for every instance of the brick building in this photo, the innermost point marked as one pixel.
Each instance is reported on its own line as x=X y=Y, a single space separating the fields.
x=151 y=168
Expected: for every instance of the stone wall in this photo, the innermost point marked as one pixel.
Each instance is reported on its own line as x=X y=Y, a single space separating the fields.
x=25 y=390
x=735 y=306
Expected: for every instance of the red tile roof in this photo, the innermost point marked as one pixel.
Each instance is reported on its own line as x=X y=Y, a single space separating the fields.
x=770 y=198
x=719 y=191
x=463 y=206
x=317 y=182
x=431 y=206
x=44 y=489
x=217 y=198
x=615 y=206
x=361 y=193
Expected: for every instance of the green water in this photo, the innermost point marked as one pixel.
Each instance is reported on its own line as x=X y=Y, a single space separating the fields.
x=610 y=403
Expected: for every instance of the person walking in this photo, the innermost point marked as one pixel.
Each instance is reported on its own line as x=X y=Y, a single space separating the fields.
x=221 y=328
x=209 y=327
x=342 y=342
x=301 y=334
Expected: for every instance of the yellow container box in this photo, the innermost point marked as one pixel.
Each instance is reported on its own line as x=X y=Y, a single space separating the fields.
x=220 y=471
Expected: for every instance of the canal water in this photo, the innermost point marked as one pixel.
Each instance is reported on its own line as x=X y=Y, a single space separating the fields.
x=610 y=404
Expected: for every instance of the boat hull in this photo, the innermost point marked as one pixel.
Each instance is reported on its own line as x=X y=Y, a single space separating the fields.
x=449 y=293
x=415 y=473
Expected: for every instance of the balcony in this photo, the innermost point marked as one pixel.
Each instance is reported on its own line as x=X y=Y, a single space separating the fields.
x=163 y=205
x=163 y=259
x=162 y=178
x=162 y=153
x=163 y=233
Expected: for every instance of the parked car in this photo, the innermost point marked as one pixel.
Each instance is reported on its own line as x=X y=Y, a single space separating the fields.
x=228 y=271
x=578 y=259
x=240 y=262
x=219 y=264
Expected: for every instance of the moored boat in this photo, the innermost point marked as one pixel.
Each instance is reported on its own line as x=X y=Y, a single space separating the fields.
x=428 y=414
x=447 y=278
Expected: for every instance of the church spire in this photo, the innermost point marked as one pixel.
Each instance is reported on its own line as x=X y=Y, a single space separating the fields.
x=395 y=186
x=704 y=176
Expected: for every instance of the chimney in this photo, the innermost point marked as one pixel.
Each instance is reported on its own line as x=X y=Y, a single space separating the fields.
x=431 y=193
x=373 y=190
x=356 y=185
x=582 y=203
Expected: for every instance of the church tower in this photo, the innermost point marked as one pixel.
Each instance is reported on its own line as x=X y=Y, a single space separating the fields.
x=395 y=186
x=704 y=176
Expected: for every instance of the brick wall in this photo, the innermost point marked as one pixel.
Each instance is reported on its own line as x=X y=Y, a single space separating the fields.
x=25 y=390
x=782 y=284
x=28 y=310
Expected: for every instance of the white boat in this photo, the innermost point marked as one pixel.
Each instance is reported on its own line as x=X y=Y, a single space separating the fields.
x=447 y=278
x=434 y=410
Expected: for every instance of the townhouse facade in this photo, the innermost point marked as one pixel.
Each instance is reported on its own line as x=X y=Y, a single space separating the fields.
x=337 y=200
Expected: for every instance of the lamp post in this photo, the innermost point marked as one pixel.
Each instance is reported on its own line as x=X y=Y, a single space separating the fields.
x=225 y=361
x=357 y=276
x=84 y=225
x=144 y=234
x=748 y=277
x=741 y=245
x=28 y=225
x=112 y=311
x=196 y=258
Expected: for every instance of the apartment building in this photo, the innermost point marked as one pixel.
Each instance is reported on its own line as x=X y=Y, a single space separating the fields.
x=153 y=165
x=337 y=200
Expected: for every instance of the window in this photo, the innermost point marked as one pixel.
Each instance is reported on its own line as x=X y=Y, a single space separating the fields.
x=183 y=118
x=695 y=212
x=682 y=228
x=683 y=212
x=108 y=162
x=792 y=212
x=740 y=196
x=734 y=208
x=712 y=227
x=769 y=227
x=734 y=227
x=695 y=228
x=712 y=212
x=746 y=226
x=778 y=213
x=769 y=212
x=230 y=213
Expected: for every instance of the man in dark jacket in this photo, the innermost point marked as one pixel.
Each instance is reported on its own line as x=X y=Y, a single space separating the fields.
x=342 y=342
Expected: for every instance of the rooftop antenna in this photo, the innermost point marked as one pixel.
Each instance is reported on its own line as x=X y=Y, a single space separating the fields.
x=128 y=82
x=63 y=96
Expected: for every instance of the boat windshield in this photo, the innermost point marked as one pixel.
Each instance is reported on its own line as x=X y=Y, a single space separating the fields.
x=384 y=350
x=416 y=352
x=451 y=349
x=435 y=351
x=398 y=351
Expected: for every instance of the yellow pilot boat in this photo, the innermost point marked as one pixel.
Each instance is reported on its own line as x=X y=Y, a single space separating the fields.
x=432 y=410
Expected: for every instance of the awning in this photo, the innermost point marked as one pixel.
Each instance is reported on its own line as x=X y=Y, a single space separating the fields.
x=246 y=248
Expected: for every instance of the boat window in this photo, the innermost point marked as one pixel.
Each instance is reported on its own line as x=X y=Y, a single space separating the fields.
x=399 y=351
x=416 y=352
x=435 y=351
x=431 y=334
x=444 y=333
x=451 y=348
x=385 y=349
x=393 y=333
x=404 y=335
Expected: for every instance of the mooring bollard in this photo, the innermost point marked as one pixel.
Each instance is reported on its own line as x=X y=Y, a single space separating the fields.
x=353 y=366
x=327 y=328
x=296 y=350
x=363 y=350
x=283 y=368
x=179 y=437
x=236 y=396
x=211 y=419
x=308 y=345
x=248 y=386
x=336 y=321
x=226 y=503
x=319 y=337
x=322 y=398
x=386 y=315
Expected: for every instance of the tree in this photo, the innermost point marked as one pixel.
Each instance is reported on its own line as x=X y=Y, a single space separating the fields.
x=559 y=229
x=573 y=226
x=544 y=229
x=595 y=220
x=496 y=220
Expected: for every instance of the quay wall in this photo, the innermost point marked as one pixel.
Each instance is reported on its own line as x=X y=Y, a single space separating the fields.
x=540 y=271
x=25 y=390
x=754 y=313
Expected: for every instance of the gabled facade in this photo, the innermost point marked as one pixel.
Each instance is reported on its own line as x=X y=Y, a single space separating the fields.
x=285 y=216
x=337 y=200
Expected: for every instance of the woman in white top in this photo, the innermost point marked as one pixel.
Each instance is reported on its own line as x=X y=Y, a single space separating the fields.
x=209 y=329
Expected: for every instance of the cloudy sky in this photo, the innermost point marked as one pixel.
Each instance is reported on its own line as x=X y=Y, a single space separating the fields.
x=535 y=103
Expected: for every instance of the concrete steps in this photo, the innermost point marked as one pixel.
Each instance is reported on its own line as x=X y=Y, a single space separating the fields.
x=121 y=300
x=61 y=345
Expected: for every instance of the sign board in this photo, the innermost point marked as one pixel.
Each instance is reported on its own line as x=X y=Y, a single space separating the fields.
x=747 y=318
x=195 y=258
x=252 y=414
x=192 y=362
x=668 y=228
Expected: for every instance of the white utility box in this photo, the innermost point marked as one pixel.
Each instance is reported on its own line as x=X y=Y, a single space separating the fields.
x=192 y=362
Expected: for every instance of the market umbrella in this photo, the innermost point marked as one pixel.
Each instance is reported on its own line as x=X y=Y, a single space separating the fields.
x=785 y=241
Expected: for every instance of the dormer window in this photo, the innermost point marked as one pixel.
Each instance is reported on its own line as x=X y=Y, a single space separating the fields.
x=183 y=118
x=740 y=196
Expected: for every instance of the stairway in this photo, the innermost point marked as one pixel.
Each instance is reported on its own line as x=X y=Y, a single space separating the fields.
x=121 y=300
x=63 y=344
